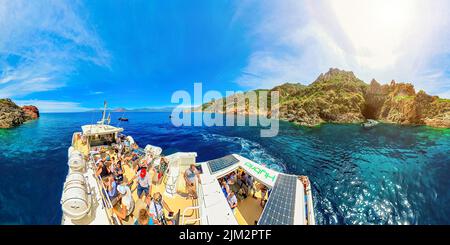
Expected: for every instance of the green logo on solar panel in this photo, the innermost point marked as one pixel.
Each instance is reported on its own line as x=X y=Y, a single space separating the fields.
x=260 y=171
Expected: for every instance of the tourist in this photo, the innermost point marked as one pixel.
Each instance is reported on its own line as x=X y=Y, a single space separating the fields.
x=102 y=149
x=240 y=178
x=126 y=143
x=118 y=172
x=263 y=195
x=127 y=159
x=113 y=164
x=225 y=188
x=242 y=193
x=144 y=218
x=161 y=164
x=99 y=160
x=126 y=203
x=142 y=164
x=232 y=178
x=111 y=188
x=250 y=186
x=232 y=201
x=120 y=148
x=156 y=208
x=144 y=185
x=243 y=189
x=189 y=176
x=134 y=158
x=103 y=169
x=135 y=148
x=305 y=181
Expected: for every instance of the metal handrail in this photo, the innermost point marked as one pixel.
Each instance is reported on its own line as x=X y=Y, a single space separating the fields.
x=106 y=200
x=199 y=206
x=311 y=219
x=202 y=204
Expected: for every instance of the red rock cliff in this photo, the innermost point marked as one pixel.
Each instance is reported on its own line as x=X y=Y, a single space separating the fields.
x=31 y=112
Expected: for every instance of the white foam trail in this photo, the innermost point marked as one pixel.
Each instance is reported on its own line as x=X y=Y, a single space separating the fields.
x=250 y=149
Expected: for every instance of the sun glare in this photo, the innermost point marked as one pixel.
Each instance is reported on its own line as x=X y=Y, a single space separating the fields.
x=376 y=29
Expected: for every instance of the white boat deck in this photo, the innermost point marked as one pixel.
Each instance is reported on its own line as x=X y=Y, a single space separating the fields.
x=285 y=205
x=98 y=214
x=216 y=208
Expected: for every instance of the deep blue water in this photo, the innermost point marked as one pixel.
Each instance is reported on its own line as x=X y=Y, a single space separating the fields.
x=386 y=175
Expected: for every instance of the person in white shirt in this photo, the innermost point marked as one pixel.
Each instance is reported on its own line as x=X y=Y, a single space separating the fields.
x=126 y=202
x=232 y=200
x=156 y=207
x=144 y=184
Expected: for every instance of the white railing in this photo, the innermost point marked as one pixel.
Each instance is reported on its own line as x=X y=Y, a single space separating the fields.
x=193 y=220
x=200 y=207
x=113 y=219
x=309 y=204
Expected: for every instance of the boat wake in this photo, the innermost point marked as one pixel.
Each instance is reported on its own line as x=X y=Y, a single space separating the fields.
x=250 y=150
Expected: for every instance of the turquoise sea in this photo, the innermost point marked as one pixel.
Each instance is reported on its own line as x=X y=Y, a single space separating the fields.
x=389 y=174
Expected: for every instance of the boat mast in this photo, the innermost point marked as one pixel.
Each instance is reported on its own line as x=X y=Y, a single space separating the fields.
x=104 y=113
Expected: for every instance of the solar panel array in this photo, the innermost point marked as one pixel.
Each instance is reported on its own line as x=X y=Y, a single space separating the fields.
x=279 y=209
x=221 y=163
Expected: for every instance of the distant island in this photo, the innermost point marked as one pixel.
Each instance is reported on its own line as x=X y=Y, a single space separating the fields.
x=12 y=115
x=340 y=97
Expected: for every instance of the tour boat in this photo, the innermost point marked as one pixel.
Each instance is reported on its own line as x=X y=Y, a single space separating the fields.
x=84 y=201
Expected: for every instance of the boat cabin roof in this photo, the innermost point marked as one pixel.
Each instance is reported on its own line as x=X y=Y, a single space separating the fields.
x=100 y=129
x=286 y=202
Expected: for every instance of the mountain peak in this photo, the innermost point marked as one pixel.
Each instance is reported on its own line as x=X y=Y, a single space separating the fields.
x=335 y=74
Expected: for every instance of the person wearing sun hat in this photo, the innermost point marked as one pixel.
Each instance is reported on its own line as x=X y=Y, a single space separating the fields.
x=126 y=202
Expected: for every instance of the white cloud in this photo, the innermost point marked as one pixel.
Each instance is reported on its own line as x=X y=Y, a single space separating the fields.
x=40 y=43
x=53 y=106
x=405 y=40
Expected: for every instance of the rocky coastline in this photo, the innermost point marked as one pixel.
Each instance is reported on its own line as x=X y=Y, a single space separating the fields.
x=12 y=115
x=338 y=96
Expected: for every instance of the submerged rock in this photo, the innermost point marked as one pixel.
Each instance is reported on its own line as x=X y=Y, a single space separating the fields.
x=12 y=115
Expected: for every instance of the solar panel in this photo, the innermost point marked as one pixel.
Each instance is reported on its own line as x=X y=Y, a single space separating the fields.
x=279 y=209
x=221 y=163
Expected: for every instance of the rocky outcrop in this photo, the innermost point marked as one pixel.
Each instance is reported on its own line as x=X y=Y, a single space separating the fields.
x=12 y=115
x=338 y=96
x=399 y=103
x=31 y=112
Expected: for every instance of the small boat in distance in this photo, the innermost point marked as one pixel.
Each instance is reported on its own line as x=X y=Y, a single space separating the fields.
x=370 y=123
x=123 y=119
x=266 y=196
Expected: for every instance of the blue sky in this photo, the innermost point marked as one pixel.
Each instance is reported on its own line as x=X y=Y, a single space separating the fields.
x=72 y=55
